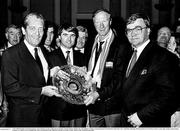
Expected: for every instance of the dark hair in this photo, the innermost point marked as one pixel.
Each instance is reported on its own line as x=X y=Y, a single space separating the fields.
x=49 y=24
x=12 y=26
x=68 y=27
x=101 y=10
x=39 y=16
x=136 y=16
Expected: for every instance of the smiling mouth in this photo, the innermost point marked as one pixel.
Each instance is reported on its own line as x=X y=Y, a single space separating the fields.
x=134 y=38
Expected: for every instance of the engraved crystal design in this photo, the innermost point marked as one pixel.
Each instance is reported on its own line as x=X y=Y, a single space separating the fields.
x=73 y=83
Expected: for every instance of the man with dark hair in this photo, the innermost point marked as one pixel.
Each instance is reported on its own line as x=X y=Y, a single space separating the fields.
x=25 y=76
x=149 y=92
x=62 y=113
x=82 y=39
x=48 y=42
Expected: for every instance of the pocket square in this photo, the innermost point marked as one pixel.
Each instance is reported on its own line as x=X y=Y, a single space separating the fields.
x=109 y=64
x=144 y=71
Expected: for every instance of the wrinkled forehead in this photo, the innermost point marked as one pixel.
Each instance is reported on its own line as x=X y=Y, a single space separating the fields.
x=101 y=15
x=33 y=20
x=164 y=30
x=137 y=22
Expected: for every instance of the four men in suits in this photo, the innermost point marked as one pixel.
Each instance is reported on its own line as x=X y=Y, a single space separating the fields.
x=136 y=87
x=23 y=81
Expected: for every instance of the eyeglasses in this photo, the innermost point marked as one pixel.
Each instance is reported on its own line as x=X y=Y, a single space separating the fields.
x=137 y=30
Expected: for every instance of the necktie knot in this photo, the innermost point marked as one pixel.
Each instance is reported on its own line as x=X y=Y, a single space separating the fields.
x=67 y=52
x=68 y=57
x=100 y=46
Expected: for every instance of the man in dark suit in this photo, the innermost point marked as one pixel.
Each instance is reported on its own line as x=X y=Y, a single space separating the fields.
x=101 y=64
x=25 y=75
x=149 y=92
x=62 y=113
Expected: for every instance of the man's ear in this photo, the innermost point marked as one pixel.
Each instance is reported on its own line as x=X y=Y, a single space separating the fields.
x=59 y=37
x=110 y=21
x=149 y=31
x=23 y=30
x=6 y=34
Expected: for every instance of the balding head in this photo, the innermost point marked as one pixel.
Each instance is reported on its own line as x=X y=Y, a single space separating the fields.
x=163 y=36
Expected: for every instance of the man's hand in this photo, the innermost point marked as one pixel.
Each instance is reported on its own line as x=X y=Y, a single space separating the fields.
x=54 y=70
x=175 y=119
x=91 y=98
x=50 y=91
x=134 y=120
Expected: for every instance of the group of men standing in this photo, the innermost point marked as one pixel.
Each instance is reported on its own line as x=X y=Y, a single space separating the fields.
x=136 y=80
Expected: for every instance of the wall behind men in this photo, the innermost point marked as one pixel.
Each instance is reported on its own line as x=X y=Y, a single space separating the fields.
x=45 y=7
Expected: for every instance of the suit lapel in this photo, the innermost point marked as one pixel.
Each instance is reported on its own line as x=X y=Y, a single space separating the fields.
x=61 y=56
x=28 y=58
x=141 y=63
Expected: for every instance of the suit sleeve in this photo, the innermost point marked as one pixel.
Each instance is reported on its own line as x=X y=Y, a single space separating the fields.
x=11 y=80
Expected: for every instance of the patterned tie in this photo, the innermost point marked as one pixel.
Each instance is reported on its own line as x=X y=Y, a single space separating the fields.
x=38 y=61
x=68 y=59
x=132 y=62
x=98 y=52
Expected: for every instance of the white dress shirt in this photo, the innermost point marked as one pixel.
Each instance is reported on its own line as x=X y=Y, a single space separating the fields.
x=41 y=56
x=141 y=48
x=70 y=54
x=96 y=76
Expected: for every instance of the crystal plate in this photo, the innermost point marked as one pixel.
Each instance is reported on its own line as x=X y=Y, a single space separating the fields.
x=73 y=83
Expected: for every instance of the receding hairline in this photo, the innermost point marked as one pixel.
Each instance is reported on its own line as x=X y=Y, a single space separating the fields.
x=35 y=15
x=165 y=28
x=101 y=11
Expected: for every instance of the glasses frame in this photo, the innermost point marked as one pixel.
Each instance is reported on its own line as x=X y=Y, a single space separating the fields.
x=137 y=30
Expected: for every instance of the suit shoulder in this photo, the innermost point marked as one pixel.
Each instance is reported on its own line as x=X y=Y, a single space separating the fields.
x=54 y=52
x=13 y=50
x=162 y=54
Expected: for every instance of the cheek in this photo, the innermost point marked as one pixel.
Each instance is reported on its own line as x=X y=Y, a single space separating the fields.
x=52 y=36
x=73 y=39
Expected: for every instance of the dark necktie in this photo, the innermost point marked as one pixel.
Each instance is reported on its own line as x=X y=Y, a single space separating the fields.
x=98 y=52
x=132 y=63
x=68 y=59
x=38 y=61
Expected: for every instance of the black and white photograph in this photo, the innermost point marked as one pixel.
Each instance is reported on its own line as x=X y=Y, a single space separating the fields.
x=89 y=65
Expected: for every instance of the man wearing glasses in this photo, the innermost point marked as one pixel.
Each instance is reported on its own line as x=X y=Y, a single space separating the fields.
x=149 y=91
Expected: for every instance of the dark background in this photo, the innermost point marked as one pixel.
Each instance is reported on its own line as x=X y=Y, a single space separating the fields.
x=78 y=12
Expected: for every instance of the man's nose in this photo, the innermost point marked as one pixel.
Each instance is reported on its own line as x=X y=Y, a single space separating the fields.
x=101 y=25
x=16 y=37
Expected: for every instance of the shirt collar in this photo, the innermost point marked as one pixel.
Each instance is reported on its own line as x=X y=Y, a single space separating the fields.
x=30 y=47
x=65 y=49
x=141 y=48
x=9 y=45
